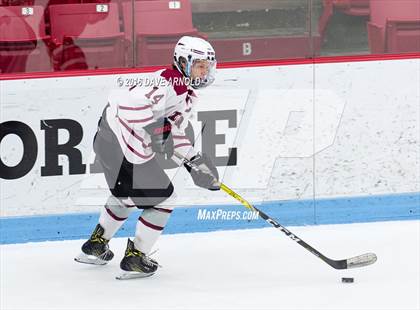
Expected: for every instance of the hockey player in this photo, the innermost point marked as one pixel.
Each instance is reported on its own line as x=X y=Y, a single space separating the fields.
x=136 y=124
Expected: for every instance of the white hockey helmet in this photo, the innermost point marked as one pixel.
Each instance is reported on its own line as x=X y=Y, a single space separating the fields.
x=190 y=49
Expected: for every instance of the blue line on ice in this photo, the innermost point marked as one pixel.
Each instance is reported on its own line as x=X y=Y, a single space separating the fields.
x=183 y=220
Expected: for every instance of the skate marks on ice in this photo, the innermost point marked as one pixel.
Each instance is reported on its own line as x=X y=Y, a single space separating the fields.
x=246 y=269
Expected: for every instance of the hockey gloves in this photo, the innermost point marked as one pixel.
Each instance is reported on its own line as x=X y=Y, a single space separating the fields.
x=206 y=175
x=160 y=134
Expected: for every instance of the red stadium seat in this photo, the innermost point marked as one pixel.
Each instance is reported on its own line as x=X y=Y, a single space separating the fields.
x=394 y=27
x=158 y=25
x=42 y=3
x=403 y=36
x=23 y=41
x=86 y=36
x=52 y=2
x=18 y=2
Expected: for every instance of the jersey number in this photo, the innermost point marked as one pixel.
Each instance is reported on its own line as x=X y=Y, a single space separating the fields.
x=156 y=98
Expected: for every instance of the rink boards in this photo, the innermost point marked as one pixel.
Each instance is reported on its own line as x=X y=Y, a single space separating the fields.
x=309 y=143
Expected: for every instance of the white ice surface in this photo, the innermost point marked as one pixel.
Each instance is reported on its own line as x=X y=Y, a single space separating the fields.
x=248 y=269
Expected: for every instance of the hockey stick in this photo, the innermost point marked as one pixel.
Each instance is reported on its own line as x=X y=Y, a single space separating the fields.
x=353 y=262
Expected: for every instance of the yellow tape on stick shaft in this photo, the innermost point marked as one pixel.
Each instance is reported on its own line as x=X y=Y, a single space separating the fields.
x=230 y=192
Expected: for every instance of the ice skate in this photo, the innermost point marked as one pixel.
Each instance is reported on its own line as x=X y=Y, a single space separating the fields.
x=136 y=264
x=95 y=251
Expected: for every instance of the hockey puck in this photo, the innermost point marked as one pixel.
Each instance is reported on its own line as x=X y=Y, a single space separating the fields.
x=347 y=280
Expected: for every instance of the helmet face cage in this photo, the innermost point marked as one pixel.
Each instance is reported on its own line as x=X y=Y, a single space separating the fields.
x=188 y=51
x=208 y=79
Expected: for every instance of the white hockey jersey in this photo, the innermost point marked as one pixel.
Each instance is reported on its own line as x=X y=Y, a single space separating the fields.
x=132 y=109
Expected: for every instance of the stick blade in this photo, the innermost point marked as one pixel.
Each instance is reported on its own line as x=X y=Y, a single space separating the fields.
x=361 y=260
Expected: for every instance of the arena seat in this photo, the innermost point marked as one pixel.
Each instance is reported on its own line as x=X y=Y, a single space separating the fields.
x=394 y=27
x=43 y=3
x=158 y=25
x=23 y=41
x=18 y=2
x=86 y=36
x=403 y=36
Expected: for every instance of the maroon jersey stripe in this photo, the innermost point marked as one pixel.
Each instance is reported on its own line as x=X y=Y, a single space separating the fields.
x=180 y=137
x=122 y=107
x=132 y=121
x=181 y=145
x=133 y=133
x=133 y=150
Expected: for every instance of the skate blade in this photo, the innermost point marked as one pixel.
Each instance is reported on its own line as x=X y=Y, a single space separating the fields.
x=90 y=259
x=127 y=275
